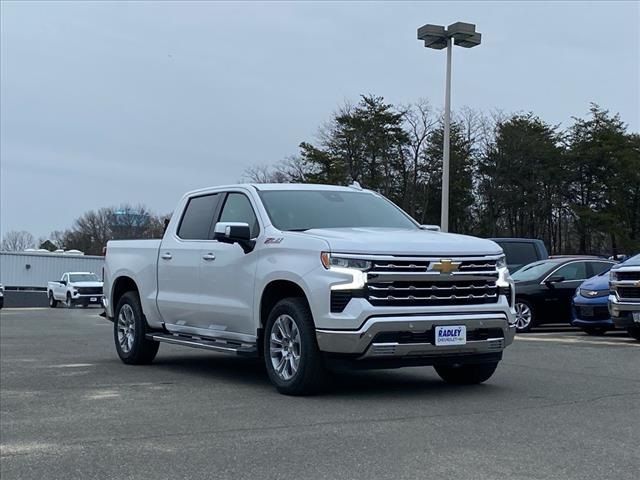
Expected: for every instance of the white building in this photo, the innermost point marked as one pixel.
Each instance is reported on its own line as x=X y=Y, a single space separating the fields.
x=31 y=270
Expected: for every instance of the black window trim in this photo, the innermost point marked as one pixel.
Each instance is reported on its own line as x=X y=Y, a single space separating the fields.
x=221 y=205
x=214 y=216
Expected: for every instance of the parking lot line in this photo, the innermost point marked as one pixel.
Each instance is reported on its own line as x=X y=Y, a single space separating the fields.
x=580 y=341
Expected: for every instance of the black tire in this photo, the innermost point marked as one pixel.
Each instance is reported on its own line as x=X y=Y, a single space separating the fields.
x=53 y=303
x=69 y=302
x=311 y=374
x=595 y=331
x=532 y=322
x=85 y=305
x=466 y=374
x=634 y=332
x=142 y=350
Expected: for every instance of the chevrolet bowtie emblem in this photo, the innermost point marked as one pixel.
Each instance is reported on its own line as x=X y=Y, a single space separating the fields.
x=445 y=265
x=592 y=293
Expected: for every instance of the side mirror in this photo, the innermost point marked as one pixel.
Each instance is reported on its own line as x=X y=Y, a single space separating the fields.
x=234 y=232
x=431 y=228
x=553 y=280
x=63 y=282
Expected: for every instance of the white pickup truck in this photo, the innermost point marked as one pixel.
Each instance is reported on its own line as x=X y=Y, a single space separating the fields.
x=308 y=277
x=624 y=295
x=75 y=288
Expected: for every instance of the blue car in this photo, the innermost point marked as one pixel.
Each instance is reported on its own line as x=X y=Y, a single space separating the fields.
x=590 y=310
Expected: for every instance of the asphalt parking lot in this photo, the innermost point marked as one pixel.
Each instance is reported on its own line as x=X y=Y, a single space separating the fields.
x=561 y=406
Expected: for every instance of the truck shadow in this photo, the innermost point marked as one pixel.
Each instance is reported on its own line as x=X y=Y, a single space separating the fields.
x=403 y=382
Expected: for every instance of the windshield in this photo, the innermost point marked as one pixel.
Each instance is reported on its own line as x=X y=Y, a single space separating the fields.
x=298 y=210
x=83 y=277
x=531 y=271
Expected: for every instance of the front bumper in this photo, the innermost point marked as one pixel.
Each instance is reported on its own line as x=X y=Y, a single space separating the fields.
x=87 y=299
x=599 y=317
x=486 y=333
x=622 y=312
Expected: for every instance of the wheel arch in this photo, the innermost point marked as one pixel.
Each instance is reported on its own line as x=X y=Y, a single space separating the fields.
x=275 y=291
x=122 y=285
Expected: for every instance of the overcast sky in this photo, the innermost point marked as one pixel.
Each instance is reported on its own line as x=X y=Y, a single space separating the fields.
x=103 y=103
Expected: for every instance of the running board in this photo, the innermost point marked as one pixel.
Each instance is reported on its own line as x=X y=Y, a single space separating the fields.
x=223 y=346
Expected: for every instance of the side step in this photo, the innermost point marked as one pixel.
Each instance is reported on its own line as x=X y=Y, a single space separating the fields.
x=223 y=346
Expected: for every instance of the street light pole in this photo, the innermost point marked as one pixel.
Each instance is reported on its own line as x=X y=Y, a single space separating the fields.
x=444 y=209
x=437 y=37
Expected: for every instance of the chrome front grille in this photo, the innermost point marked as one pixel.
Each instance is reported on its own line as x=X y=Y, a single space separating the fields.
x=416 y=265
x=416 y=281
x=628 y=276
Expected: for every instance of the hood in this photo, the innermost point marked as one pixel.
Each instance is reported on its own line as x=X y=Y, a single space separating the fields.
x=87 y=284
x=599 y=282
x=391 y=241
x=631 y=262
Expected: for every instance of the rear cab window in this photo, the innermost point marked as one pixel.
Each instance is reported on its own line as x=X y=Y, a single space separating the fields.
x=198 y=217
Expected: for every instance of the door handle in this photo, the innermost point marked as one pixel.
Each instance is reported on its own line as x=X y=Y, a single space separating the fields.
x=209 y=257
x=166 y=256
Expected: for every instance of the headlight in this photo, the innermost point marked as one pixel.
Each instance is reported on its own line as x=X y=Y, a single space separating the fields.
x=613 y=275
x=329 y=261
x=501 y=262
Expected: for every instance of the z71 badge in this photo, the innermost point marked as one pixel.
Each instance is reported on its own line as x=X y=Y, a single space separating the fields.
x=273 y=240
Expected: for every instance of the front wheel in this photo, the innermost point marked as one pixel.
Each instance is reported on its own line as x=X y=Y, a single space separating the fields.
x=53 y=303
x=291 y=353
x=68 y=302
x=466 y=374
x=595 y=331
x=129 y=329
x=634 y=332
x=525 y=316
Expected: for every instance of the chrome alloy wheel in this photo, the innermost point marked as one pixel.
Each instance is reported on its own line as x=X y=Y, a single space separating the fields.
x=523 y=316
x=126 y=328
x=284 y=347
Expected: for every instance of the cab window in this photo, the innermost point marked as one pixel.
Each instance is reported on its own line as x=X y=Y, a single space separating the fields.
x=572 y=271
x=237 y=208
x=198 y=216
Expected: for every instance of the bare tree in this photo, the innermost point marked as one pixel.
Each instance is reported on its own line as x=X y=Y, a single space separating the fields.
x=420 y=121
x=17 y=241
x=259 y=174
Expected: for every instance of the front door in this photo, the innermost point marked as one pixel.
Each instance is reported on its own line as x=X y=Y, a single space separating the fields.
x=228 y=274
x=574 y=274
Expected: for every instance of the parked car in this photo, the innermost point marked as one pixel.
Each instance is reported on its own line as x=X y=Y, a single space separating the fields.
x=624 y=300
x=522 y=251
x=590 y=309
x=305 y=276
x=1 y=295
x=544 y=289
x=75 y=288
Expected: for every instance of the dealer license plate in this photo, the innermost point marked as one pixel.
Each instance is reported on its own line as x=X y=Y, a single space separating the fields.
x=636 y=316
x=93 y=299
x=451 y=335
x=587 y=311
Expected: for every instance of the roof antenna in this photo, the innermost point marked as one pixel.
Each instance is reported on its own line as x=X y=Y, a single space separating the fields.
x=355 y=185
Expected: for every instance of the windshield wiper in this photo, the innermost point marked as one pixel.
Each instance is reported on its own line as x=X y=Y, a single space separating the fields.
x=297 y=230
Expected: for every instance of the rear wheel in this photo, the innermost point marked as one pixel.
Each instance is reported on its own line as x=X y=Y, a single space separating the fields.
x=634 y=332
x=291 y=353
x=525 y=316
x=129 y=329
x=466 y=374
x=53 y=303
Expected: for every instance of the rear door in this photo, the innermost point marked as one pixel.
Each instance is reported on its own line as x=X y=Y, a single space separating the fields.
x=179 y=261
x=228 y=274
